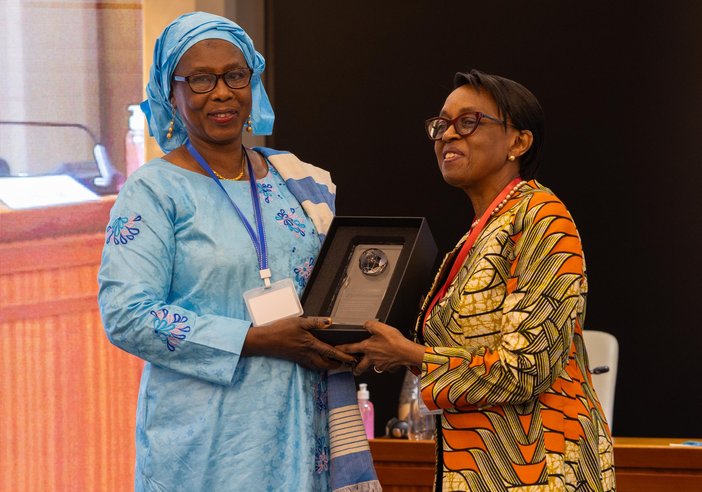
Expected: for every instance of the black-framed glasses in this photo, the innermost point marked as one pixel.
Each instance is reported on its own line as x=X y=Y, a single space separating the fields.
x=464 y=124
x=201 y=83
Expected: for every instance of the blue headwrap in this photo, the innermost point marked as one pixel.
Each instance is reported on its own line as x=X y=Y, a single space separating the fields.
x=174 y=41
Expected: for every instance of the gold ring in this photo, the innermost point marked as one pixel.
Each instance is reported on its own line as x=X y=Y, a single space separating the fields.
x=376 y=369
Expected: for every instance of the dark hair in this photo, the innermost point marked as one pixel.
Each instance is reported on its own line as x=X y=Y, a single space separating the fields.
x=516 y=104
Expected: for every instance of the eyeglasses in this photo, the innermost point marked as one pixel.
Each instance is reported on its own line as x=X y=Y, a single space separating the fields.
x=464 y=124
x=201 y=83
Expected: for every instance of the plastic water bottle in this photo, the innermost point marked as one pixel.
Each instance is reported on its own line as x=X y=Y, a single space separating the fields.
x=366 y=408
x=407 y=394
x=420 y=420
x=421 y=423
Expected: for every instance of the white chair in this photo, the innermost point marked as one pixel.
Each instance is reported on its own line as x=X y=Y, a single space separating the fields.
x=603 y=354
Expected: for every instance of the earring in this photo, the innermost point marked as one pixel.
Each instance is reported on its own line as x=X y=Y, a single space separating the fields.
x=249 y=128
x=169 y=135
x=511 y=158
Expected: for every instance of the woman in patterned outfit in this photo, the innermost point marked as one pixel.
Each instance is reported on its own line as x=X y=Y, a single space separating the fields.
x=223 y=405
x=499 y=339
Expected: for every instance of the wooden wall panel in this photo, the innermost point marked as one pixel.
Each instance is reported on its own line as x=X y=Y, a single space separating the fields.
x=68 y=406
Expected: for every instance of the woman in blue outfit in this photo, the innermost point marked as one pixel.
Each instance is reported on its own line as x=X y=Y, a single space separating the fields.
x=223 y=405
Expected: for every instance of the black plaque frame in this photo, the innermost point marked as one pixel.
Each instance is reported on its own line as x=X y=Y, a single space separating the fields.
x=409 y=281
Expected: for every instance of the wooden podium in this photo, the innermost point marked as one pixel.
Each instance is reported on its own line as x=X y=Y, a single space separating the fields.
x=68 y=397
x=642 y=465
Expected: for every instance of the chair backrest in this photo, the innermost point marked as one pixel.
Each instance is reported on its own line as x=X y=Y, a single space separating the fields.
x=603 y=354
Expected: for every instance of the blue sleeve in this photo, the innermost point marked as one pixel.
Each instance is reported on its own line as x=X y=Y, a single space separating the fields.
x=134 y=284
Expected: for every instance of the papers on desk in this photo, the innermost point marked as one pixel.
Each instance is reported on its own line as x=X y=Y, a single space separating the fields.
x=20 y=192
x=687 y=444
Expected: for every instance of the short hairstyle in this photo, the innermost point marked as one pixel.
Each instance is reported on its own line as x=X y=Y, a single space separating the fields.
x=516 y=104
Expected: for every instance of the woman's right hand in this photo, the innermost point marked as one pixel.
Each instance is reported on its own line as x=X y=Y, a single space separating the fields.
x=290 y=339
x=387 y=349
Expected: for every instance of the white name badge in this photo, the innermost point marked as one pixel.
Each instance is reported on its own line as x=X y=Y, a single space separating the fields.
x=279 y=301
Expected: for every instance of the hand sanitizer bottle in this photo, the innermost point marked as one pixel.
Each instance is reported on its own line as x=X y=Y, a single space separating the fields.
x=134 y=150
x=366 y=408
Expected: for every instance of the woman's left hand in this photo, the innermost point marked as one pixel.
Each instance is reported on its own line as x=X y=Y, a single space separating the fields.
x=385 y=350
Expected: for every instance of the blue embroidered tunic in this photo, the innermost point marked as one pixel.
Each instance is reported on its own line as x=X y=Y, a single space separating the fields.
x=176 y=262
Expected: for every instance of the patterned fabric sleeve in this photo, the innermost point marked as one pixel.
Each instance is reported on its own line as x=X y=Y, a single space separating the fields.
x=134 y=282
x=544 y=288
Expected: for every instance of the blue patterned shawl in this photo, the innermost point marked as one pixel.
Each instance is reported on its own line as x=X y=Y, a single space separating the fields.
x=312 y=186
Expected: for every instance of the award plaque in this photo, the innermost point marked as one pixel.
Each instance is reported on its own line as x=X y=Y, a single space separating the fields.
x=370 y=268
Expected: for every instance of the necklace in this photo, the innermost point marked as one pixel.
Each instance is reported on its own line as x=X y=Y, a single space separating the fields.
x=499 y=206
x=237 y=177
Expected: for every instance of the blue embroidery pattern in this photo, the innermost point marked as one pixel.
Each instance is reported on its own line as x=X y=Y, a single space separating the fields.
x=122 y=230
x=291 y=221
x=303 y=272
x=320 y=397
x=170 y=328
x=268 y=191
x=321 y=455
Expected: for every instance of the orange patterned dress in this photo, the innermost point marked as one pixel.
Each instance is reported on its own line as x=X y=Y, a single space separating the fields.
x=506 y=363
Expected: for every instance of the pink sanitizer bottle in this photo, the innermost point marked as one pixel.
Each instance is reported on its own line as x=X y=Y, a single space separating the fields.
x=366 y=407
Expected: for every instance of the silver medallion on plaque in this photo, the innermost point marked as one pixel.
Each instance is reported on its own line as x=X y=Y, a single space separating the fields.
x=373 y=262
x=364 y=283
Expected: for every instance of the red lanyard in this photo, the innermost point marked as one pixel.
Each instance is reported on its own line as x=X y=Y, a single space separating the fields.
x=468 y=244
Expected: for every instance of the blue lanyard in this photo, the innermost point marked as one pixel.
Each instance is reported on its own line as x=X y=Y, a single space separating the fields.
x=258 y=240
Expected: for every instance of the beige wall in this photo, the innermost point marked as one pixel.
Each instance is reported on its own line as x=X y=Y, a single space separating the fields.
x=67 y=62
x=119 y=67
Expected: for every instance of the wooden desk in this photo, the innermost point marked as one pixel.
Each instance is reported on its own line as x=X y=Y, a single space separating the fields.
x=404 y=466
x=642 y=465
x=647 y=464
